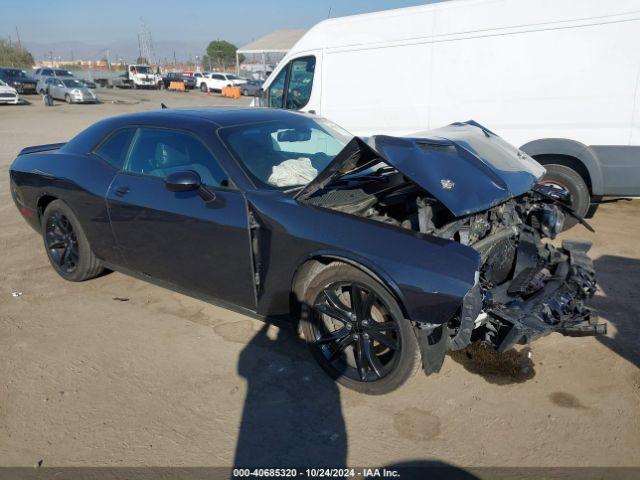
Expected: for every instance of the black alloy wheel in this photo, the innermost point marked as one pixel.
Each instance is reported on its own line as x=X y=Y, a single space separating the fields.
x=357 y=332
x=354 y=331
x=61 y=242
x=67 y=245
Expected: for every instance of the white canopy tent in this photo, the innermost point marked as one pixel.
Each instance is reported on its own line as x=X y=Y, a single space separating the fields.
x=279 y=41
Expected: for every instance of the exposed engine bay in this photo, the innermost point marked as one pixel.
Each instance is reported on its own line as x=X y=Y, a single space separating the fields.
x=527 y=287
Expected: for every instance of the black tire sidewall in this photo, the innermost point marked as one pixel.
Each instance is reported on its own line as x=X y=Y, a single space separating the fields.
x=85 y=255
x=408 y=360
x=575 y=185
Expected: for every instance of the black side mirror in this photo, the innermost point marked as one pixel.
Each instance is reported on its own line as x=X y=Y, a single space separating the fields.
x=188 y=181
x=183 y=181
x=259 y=93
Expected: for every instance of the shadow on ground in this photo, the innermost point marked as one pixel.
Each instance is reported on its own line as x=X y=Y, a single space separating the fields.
x=292 y=413
x=619 y=279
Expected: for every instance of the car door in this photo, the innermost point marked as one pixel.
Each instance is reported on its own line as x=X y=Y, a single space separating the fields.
x=219 y=82
x=57 y=89
x=178 y=237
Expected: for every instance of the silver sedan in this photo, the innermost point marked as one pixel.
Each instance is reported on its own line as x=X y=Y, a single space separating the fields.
x=70 y=90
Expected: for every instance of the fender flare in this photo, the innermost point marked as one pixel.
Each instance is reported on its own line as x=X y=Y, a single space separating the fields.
x=355 y=261
x=570 y=148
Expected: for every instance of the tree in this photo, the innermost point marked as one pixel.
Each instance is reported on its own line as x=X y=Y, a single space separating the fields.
x=221 y=53
x=14 y=56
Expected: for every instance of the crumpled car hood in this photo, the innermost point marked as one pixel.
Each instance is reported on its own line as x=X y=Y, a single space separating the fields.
x=464 y=165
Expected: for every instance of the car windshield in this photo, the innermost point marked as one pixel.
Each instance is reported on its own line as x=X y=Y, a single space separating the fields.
x=285 y=153
x=73 y=83
x=142 y=69
x=231 y=77
x=63 y=73
x=2 y=84
x=15 y=73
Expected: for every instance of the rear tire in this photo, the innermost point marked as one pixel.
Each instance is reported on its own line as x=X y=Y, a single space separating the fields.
x=569 y=179
x=203 y=87
x=66 y=244
x=384 y=343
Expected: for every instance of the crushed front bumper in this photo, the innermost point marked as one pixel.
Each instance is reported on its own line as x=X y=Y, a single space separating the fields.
x=547 y=293
x=561 y=286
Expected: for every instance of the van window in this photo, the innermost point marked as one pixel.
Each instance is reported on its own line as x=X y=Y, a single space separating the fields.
x=276 y=89
x=300 y=82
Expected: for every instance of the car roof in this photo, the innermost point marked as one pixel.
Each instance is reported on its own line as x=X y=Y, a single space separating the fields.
x=221 y=116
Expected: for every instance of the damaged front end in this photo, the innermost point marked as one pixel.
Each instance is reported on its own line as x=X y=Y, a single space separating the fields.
x=465 y=184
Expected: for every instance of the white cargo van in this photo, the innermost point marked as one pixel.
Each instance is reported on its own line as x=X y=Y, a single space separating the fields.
x=558 y=78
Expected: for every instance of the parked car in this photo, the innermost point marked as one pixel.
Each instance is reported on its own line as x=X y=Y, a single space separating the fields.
x=122 y=81
x=251 y=88
x=43 y=74
x=573 y=106
x=70 y=90
x=18 y=79
x=8 y=94
x=189 y=82
x=88 y=83
x=387 y=250
x=217 y=81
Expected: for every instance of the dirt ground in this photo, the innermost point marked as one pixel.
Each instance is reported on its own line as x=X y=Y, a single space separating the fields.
x=163 y=379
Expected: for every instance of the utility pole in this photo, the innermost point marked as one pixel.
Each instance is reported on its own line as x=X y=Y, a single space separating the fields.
x=18 y=38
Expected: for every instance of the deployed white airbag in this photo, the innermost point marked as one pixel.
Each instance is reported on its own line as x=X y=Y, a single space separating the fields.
x=293 y=172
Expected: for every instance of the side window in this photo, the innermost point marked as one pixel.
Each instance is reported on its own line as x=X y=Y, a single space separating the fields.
x=300 y=82
x=114 y=150
x=159 y=152
x=276 y=89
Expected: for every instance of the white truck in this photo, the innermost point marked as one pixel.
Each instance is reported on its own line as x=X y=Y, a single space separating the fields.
x=143 y=76
x=217 y=81
x=558 y=78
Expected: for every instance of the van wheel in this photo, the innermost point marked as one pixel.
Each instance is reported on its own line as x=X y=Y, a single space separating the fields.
x=66 y=244
x=570 y=180
x=356 y=331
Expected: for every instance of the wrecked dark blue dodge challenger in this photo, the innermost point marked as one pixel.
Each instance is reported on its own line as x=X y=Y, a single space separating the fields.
x=389 y=251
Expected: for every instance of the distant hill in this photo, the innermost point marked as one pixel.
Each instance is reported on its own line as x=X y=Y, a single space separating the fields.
x=125 y=49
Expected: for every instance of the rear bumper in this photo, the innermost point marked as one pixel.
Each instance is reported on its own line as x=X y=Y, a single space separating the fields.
x=559 y=303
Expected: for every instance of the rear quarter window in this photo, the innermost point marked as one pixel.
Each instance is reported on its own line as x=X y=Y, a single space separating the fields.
x=114 y=149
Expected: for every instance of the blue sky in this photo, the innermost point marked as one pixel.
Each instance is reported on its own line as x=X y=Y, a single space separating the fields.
x=48 y=21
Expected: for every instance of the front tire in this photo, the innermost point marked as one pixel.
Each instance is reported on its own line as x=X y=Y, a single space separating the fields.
x=66 y=244
x=203 y=87
x=570 y=180
x=67 y=98
x=356 y=331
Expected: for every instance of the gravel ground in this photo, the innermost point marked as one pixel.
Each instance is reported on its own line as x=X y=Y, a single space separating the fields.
x=163 y=379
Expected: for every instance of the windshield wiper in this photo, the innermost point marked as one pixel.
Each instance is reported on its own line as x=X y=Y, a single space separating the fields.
x=294 y=189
